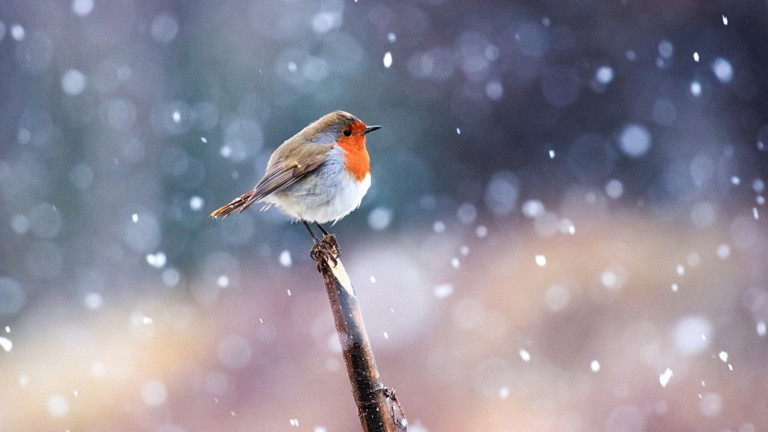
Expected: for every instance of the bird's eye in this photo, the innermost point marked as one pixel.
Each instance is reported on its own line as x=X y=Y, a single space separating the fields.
x=347 y=132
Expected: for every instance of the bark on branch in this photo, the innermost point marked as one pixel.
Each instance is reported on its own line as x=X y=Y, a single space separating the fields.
x=377 y=406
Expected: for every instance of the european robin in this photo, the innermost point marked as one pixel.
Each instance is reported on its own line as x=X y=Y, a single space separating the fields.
x=318 y=175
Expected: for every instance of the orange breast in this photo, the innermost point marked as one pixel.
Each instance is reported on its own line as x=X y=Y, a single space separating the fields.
x=356 y=156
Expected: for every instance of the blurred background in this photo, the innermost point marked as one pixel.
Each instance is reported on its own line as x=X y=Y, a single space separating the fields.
x=566 y=229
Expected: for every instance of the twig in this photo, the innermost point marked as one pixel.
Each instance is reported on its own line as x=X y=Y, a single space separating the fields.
x=377 y=406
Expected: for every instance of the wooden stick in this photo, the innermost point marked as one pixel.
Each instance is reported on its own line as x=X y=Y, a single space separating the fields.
x=377 y=406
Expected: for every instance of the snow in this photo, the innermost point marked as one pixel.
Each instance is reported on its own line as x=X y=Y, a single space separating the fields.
x=695 y=88
x=6 y=344
x=387 y=60
x=285 y=258
x=442 y=291
x=156 y=260
x=82 y=7
x=525 y=355
x=594 y=365
x=665 y=377
x=541 y=260
x=17 y=32
x=604 y=74
x=635 y=140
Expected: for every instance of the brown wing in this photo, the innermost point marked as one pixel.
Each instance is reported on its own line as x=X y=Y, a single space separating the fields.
x=281 y=173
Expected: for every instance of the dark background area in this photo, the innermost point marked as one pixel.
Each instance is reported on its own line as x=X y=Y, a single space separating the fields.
x=566 y=228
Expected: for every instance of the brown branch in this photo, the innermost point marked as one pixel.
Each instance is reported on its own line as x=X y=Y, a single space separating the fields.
x=377 y=406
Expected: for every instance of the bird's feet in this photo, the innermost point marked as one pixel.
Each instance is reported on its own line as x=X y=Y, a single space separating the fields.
x=327 y=247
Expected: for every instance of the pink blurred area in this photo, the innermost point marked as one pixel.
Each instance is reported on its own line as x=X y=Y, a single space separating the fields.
x=502 y=331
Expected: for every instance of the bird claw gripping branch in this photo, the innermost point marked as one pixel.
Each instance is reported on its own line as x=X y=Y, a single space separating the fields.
x=325 y=250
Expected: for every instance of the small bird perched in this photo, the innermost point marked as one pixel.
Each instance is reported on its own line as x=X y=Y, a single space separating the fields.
x=318 y=175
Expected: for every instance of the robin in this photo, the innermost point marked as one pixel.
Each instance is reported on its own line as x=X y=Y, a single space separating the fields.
x=318 y=175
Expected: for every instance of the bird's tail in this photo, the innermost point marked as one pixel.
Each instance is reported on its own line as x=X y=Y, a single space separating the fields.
x=240 y=203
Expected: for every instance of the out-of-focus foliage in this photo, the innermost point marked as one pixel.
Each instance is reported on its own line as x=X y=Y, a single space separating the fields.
x=566 y=229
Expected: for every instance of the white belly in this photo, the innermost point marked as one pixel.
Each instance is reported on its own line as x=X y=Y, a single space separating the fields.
x=327 y=194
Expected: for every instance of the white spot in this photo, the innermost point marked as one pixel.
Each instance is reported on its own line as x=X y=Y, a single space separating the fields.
x=196 y=202
x=156 y=260
x=455 y=263
x=755 y=213
x=696 y=56
x=391 y=37
x=73 y=82
x=154 y=393
x=438 y=227
x=723 y=70
x=443 y=291
x=386 y=335
x=6 y=344
x=675 y=287
x=666 y=49
x=481 y=231
x=164 y=28
x=285 y=258
x=504 y=392
x=551 y=154
x=204 y=140
x=525 y=355
x=725 y=20
x=691 y=334
x=176 y=116
x=373 y=279
x=135 y=217
x=379 y=218
x=735 y=180
x=680 y=270
x=387 y=60
x=614 y=189
x=761 y=328
x=222 y=281
x=57 y=405
x=604 y=74
x=541 y=260
x=17 y=32
x=170 y=277
x=458 y=131
x=723 y=251
x=288 y=291
x=595 y=366
x=665 y=377
x=294 y=422
x=93 y=300
x=494 y=90
x=635 y=140
x=696 y=88
x=292 y=67
x=82 y=7
x=533 y=208
x=723 y=355
x=321 y=428
x=23 y=381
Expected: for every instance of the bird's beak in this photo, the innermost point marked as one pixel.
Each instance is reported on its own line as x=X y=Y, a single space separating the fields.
x=370 y=129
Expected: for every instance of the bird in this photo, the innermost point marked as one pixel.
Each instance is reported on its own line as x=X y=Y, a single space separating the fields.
x=317 y=176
